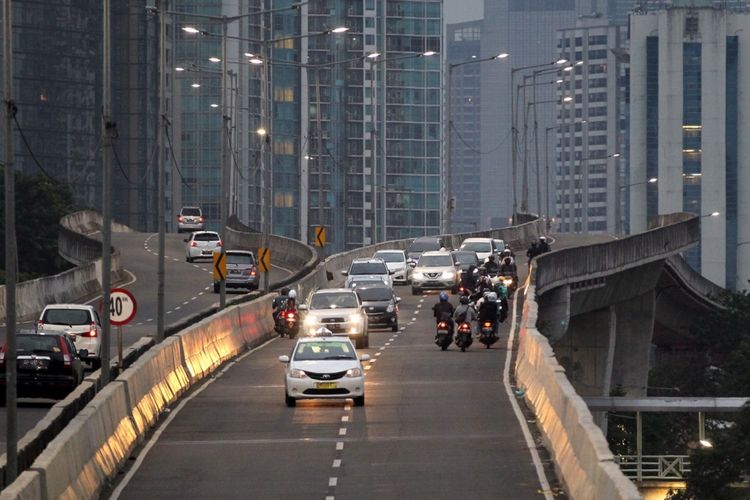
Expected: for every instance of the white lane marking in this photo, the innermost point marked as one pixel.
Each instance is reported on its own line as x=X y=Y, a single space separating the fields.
x=517 y=409
x=403 y=328
x=187 y=302
x=347 y=407
x=390 y=339
x=345 y=418
x=149 y=320
x=176 y=260
x=332 y=481
x=208 y=287
x=337 y=463
x=200 y=293
x=339 y=446
x=387 y=343
x=413 y=320
x=419 y=305
x=169 y=312
x=382 y=348
x=378 y=353
x=142 y=455
x=368 y=367
x=177 y=308
x=192 y=298
x=330 y=498
x=342 y=431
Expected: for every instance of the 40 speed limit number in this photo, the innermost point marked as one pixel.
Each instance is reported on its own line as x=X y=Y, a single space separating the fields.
x=122 y=306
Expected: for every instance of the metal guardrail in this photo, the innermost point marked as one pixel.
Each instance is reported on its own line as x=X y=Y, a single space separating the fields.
x=654 y=467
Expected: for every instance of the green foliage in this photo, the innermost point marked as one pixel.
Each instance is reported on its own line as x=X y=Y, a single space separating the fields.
x=40 y=203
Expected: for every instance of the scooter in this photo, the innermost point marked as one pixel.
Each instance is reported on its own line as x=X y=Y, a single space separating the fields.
x=463 y=337
x=287 y=323
x=487 y=333
x=444 y=335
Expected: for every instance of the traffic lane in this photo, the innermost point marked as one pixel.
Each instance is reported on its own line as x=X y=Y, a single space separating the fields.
x=30 y=411
x=239 y=437
x=437 y=424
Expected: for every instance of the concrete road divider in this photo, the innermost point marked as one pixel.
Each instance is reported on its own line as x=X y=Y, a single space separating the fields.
x=28 y=486
x=210 y=342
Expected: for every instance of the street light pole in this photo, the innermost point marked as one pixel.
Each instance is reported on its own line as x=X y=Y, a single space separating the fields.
x=11 y=422
x=373 y=162
x=107 y=133
x=223 y=203
x=162 y=128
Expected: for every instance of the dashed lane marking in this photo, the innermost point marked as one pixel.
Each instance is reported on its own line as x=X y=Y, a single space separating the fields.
x=382 y=348
x=333 y=481
x=345 y=418
x=368 y=367
x=378 y=353
x=149 y=320
x=342 y=431
x=339 y=446
x=336 y=463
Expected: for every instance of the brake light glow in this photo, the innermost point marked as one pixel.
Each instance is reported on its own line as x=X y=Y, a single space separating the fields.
x=180 y=218
x=200 y=219
x=67 y=358
x=442 y=324
x=487 y=324
x=290 y=316
x=91 y=332
x=39 y=325
x=219 y=243
x=251 y=271
x=193 y=244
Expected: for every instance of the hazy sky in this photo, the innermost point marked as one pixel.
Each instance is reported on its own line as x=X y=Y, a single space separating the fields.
x=456 y=11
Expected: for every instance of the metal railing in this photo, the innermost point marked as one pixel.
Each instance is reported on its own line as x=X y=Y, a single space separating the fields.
x=654 y=467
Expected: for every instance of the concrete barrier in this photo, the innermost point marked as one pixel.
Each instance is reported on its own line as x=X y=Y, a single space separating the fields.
x=28 y=486
x=78 y=463
x=579 y=450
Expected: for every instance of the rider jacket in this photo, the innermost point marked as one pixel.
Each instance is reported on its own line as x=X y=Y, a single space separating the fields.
x=443 y=311
x=488 y=311
x=506 y=269
x=466 y=311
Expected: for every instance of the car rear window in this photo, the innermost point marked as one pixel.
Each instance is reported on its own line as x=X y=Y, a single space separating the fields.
x=333 y=301
x=390 y=256
x=311 y=351
x=31 y=343
x=191 y=211
x=206 y=237
x=66 y=317
x=241 y=258
x=424 y=246
x=368 y=268
x=435 y=261
x=375 y=293
x=466 y=258
x=477 y=246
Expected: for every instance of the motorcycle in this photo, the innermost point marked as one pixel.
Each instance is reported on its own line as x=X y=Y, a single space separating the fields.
x=510 y=281
x=287 y=323
x=463 y=337
x=444 y=335
x=487 y=334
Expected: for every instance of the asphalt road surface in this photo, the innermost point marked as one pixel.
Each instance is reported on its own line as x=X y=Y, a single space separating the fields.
x=188 y=288
x=435 y=425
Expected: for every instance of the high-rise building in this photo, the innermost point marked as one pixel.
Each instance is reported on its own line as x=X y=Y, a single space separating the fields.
x=463 y=45
x=686 y=126
x=590 y=139
x=385 y=108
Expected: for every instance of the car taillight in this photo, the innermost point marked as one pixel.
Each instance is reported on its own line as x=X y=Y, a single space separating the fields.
x=180 y=218
x=2 y=356
x=200 y=219
x=442 y=324
x=487 y=324
x=67 y=358
x=91 y=332
x=219 y=243
x=251 y=271
x=39 y=325
x=290 y=316
x=193 y=244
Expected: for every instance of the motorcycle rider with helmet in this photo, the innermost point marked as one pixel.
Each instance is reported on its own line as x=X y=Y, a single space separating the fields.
x=491 y=266
x=278 y=302
x=488 y=310
x=465 y=312
x=443 y=311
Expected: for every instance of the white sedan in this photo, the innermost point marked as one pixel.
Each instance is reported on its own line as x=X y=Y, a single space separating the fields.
x=324 y=367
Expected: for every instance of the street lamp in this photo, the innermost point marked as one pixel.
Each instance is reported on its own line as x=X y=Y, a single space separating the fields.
x=712 y=214
x=449 y=135
x=583 y=189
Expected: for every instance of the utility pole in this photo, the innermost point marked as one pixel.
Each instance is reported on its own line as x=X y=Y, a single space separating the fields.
x=318 y=119
x=11 y=425
x=373 y=162
x=449 y=150
x=107 y=132
x=224 y=208
x=162 y=129
x=536 y=150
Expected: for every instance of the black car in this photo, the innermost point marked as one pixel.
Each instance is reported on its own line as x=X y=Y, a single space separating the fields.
x=380 y=305
x=464 y=259
x=424 y=244
x=48 y=366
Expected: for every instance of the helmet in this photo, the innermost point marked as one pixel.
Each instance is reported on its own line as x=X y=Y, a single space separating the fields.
x=292 y=294
x=542 y=238
x=505 y=252
x=464 y=299
x=443 y=296
x=492 y=297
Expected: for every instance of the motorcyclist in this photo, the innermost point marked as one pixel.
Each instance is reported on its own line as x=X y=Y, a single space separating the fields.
x=291 y=301
x=491 y=266
x=469 y=278
x=443 y=311
x=543 y=245
x=279 y=301
x=488 y=310
x=533 y=251
x=507 y=254
x=484 y=286
x=508 y=267
x=465 y=312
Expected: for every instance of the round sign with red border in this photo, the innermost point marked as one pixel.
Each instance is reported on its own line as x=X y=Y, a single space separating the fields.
x=122 y=306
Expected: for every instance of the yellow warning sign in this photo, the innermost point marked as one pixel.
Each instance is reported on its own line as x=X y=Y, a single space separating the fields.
x=220 y=266
x=320 y=236
x=264 y=259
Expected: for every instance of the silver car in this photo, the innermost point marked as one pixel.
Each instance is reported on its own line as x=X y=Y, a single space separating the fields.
x=80 y=322
x=396 y=262
x=242 y=271
x=202 y=245
x=339 y=310
x=434 y=271
x=362 y=267
x=190 y=219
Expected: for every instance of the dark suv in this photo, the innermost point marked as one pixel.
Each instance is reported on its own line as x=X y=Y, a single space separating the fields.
x=424 y=244
x=48 y=366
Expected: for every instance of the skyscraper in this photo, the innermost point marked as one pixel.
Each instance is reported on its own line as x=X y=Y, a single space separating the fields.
x=686 y=129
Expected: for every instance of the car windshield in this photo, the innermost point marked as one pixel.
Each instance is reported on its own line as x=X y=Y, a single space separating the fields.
x=477 y=246
x=499 y=245
x=424 y=246
x=312 y=351
x=32 y=343
x=193 y=212
x=341 y=300
x=435 y=261
x=378 y=293
x=368 y=268
x=390 y=256
x=205 y=237
x=66 y=317
x=467 y=258
x=240 y=258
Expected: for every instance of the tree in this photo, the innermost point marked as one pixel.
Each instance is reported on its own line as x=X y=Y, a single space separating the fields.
x=40 y=204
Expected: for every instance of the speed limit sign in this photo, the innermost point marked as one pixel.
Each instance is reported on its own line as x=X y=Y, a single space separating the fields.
x=122 y=306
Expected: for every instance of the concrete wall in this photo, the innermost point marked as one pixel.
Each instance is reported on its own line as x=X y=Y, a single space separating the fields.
x=75 y=284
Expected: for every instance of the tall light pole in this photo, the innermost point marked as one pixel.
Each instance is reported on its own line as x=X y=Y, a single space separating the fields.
x=162 y=182
x=107 y=135
x=582 y=191
x=11 y=421
x=449 y=134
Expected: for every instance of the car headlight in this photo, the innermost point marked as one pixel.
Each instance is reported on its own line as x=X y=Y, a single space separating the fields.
x=296 y=373
x=390 y=308
x=356 y=318
x=449 y=274
x=507 y=281
x=417 y=275
x=310 y=320
x=354 y=372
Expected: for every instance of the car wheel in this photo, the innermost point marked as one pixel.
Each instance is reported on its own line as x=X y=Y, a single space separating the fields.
x=188 y=259
x=359 y=401
x=394 y=327
x=290 y=402
x=96 y=363
x=416 y=291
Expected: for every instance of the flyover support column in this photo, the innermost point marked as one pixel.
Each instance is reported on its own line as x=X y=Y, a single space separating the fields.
x=584 y=352
x=554 y=313
x=634 y=329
